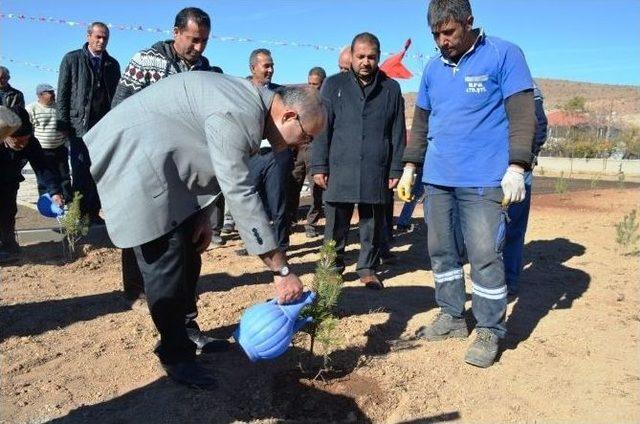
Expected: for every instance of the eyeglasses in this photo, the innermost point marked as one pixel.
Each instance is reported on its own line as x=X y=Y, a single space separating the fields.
x=308 y=138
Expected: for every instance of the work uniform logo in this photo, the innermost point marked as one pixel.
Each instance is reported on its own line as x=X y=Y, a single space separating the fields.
x=475 y=84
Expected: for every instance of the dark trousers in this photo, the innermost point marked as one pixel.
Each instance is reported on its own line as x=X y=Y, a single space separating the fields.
x=170 y=269
x=217 y=216
x=387 y=231
x=315 y=211
x=268 y=173
x=82 y=179
x=58 y=159
x=8 y=211
x=370 y=227
x=295 y=181
x=132 y=282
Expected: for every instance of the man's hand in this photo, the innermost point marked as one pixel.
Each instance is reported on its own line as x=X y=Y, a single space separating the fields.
x=393 y=182
x=58 y=200
x=202 y=232
x=288 y=289
x=513 y=185
x=405 y=186
x=321 y=180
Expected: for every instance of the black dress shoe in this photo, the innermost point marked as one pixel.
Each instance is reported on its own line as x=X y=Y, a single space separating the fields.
x=191 y=374
x=205 y=343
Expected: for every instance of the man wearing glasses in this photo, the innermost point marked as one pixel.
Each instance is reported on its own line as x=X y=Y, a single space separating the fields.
x=358 y=159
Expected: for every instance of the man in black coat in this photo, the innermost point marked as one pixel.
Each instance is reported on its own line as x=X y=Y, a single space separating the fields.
x=358 y=159
x=86 y=85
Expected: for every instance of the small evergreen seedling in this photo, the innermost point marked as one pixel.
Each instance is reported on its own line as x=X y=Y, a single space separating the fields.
x=561 y=184
x=74 y=225
x=327 y=284
x=627 y=232
x=621 y=179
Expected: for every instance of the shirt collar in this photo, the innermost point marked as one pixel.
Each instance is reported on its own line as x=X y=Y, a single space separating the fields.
x=480 y=37
x=92 y=54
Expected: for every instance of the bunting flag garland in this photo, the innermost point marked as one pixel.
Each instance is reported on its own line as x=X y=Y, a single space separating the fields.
x=393 y=66
x=140 y=28
x=29 y=64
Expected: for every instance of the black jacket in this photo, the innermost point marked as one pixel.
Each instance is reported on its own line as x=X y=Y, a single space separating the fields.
x=12 y=162
x=75 y=88
x=10 y=96
x=363 y=143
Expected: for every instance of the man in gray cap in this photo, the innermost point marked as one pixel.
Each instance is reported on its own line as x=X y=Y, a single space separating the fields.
x=43 y=113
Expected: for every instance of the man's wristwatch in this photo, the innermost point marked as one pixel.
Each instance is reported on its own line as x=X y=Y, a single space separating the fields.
x=282 y=272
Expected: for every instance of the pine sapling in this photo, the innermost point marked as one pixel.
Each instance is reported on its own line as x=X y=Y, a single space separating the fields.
x=327 y=284
x=561 y=184
x=74 y=225
x=621 y=179
x=627 y=233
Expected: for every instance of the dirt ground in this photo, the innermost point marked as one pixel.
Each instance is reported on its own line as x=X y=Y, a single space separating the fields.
x=74 y=352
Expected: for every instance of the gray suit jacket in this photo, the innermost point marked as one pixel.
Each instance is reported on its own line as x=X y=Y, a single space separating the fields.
x=156 y=156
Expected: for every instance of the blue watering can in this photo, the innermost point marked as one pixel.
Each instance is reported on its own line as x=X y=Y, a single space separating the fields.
x=265 y=330
x=47 y=207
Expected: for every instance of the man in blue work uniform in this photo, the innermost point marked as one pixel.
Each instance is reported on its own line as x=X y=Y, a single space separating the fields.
x=475 y=118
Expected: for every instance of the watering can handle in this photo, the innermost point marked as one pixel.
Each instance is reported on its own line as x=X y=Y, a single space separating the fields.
x=307 y=298
x=301 y=323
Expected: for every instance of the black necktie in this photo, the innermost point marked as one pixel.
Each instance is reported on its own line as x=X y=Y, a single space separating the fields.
x=95 y=62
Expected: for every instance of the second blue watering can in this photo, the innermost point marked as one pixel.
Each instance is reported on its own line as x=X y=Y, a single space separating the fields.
x=47 y=207
x=265 y=330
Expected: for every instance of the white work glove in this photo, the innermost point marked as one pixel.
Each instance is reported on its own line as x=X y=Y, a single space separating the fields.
x=513 y=185
x=405 y=185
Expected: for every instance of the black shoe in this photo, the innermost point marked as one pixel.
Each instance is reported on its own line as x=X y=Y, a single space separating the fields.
x=311 y=232
x=228 y=229
x=388 y=258
x=205 y=343
x=8 y=257
x=191 y=374
x=403 y=228
x=216 y=241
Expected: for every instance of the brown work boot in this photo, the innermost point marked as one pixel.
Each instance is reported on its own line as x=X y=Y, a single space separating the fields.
x=372 y=282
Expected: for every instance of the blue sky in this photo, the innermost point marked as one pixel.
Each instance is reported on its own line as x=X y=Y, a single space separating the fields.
x=581 y=40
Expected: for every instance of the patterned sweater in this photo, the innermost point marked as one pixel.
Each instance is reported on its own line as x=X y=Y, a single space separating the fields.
x=150 y=65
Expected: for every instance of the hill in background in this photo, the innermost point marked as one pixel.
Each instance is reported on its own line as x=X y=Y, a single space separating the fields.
x=624 y=100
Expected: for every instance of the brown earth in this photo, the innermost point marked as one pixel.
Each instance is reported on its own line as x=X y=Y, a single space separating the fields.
x=73 y=352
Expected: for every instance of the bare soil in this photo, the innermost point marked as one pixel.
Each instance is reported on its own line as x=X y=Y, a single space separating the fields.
x=74 y=352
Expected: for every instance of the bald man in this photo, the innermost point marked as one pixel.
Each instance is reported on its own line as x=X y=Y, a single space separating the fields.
x=344 y=60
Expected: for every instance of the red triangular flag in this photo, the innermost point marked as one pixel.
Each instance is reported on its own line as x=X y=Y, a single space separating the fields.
x=393 y=66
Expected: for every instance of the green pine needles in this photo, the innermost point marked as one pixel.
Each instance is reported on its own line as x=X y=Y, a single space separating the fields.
x=327 y=284
x=74 y=226
x=627 y=233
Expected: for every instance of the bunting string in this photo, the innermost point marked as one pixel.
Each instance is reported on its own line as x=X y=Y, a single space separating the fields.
x=5 y=59
x=20 y=17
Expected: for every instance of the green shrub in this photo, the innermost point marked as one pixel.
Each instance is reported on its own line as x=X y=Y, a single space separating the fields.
x=74 y=226
x=627 y=233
